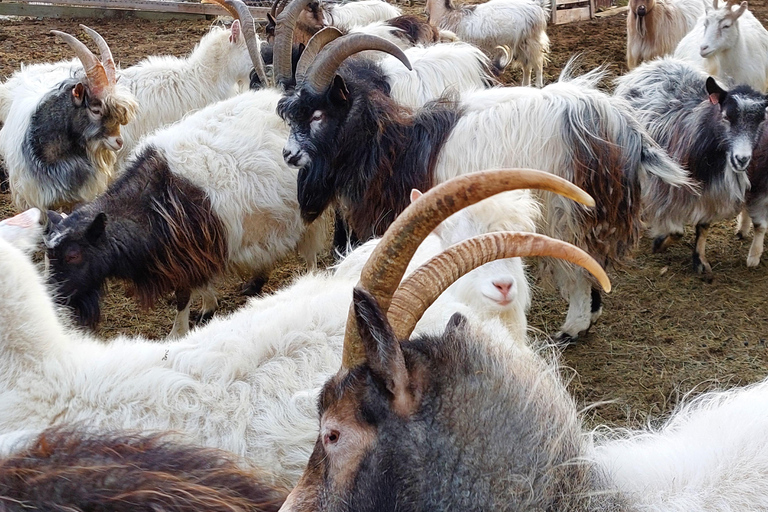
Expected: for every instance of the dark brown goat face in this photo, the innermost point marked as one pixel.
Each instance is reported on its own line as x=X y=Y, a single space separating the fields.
x=641 y=7
x=363 y=412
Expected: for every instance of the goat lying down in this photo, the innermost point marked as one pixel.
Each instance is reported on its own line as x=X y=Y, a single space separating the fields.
x=246 y=383
x=711 y=131
x=470 y=420
x=77 y=469
x=357 y=148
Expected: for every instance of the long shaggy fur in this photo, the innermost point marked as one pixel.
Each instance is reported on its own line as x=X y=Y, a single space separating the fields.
x=518 y=24
x=77 y=470
x=757 y=201
x=739 y=53
x=658 y=32
x=348 y=15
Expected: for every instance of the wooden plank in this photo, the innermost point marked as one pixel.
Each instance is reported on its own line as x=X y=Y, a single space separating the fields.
x=572 y=2
x=59 y=8
x=612 y=12
x=571 y=15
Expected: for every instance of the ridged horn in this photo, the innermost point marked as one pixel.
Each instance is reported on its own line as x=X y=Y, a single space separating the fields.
x=318 y=41
x=382 y=273
x=94 y=69
x=240 y=11
x=283 y=47
x=420 y=289
x=321 y=72
x=105 y=54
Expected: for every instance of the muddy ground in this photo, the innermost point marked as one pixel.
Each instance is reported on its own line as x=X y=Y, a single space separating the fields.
x=665 y=331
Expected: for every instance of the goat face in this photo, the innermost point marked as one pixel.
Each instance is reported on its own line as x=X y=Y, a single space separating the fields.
x=390 y=428
x=90 y=118
x=721 y=29
x=743 y=113
x=74 y=245
x=315 y=121
x=641 y=7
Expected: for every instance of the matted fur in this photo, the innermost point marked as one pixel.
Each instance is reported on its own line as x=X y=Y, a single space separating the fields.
x=658 y=32
x=518 y=24
x=75 y=469
x=739 y=53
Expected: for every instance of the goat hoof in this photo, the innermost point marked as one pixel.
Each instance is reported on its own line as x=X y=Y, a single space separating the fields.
x=563 y=339
x=752 y=262
x=740 y=235
x=660 y=244
x=253 y=287
x=201 y=318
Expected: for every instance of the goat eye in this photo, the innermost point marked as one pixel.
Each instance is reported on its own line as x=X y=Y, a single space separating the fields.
x=73 y=256
x=331 y=437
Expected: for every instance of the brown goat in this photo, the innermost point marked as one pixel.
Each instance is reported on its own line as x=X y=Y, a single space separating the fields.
x=76 y=470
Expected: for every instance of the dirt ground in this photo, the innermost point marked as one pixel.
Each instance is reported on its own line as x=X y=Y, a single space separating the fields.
x=665 y=332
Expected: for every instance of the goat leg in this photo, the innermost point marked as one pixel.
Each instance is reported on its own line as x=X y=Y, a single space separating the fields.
x=662 y=242
x=700 y=264
x=742 y=224
x=181 y=323
x=756 y=249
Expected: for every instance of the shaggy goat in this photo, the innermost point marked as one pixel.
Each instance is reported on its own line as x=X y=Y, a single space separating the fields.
x=729 y=44
x=709 y=130
x=519 y=25
x=245 y=383
x=358 y=148
x=756 y=205
x=59 y=144
x=655 y=27
x=75 y=469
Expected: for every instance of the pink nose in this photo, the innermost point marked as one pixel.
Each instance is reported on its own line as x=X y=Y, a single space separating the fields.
x=119 y=142
x=503 y=287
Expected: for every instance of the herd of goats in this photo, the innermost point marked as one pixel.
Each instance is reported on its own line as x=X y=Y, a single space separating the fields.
x=401 y=378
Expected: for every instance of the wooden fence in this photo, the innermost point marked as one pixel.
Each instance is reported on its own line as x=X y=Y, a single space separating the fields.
x=108 y=8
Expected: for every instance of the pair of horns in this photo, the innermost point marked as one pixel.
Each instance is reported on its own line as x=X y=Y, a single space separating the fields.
x=100 y=72
x=325 y=51
x=405 y=303
x=239 y=11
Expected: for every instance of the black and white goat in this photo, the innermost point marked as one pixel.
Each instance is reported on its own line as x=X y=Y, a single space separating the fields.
x=59 y=143
x=712 y=132
x=756 y=207
x=358 y=148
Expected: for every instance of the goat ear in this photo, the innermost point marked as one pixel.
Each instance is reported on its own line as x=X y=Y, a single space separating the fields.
x=54 y=218
x=415 y=194
x=78 y=93
x=716 y=93
x=339 y=92
x=96 y=229
x=383 y=353
x=234 y=32
x=456 y=324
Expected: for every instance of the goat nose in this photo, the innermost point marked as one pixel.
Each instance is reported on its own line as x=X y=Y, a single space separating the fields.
x=286 y=155
x=641 y=10
x=119 y=142
x=741 y=161
x=503 y=287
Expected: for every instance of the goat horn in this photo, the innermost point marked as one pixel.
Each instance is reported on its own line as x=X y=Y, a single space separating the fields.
x=314 y=46
x=94 y=70
x=283 y=46
x=321 y=72
x=419 y=290
x=240 y=11
x=105 y=54
x=386 y=266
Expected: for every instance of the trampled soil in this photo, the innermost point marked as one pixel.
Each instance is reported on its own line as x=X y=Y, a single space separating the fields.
x=665 y=331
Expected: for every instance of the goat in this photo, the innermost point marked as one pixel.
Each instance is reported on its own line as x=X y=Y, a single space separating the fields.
x=316 y=15
x=655 y=27
x=59 y=144
x=729 y=44
x=756 y=202
x=245 y=383
x=710 y=130
x=407 y=32
x=75 y=469
x=358 y=148
x=518 y=24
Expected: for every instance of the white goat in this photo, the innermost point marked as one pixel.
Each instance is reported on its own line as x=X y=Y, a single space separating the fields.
x=346 y=16
x=519 y=25
x=655 y=27
x=730 y=44
x=710 y=455
x=246 y=383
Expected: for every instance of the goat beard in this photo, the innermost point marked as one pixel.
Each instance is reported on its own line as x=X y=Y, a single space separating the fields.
x=641 y=25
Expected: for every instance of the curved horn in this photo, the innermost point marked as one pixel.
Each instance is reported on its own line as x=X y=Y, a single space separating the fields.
x=240 y=11
x=386 y=266
x=314 y=46
x=94 y=70
x=419 y=290
x=283 y=46
x=321 y=72
x=104 y=53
